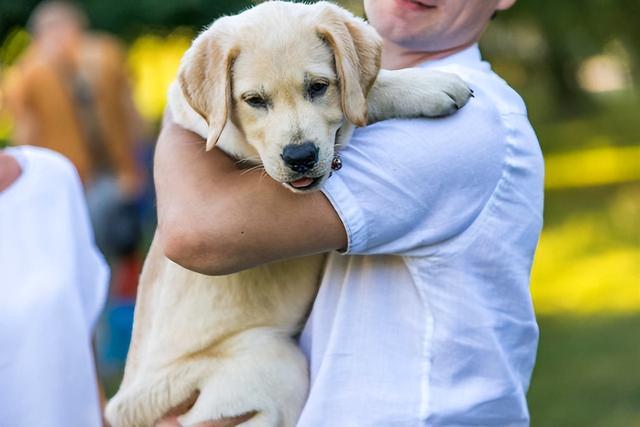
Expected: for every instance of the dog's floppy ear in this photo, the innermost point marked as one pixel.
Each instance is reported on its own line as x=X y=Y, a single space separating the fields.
x=205 y=78
x=357 y=48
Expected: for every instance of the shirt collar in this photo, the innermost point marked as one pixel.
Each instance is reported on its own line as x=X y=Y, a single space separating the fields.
x=468 y=57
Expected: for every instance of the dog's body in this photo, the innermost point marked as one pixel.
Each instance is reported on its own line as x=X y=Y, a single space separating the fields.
x=229 y=338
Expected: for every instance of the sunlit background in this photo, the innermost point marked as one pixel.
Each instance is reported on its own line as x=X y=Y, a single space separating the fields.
x=577 y=65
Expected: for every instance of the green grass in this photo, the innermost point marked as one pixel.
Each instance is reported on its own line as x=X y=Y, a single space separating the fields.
x=587 y=372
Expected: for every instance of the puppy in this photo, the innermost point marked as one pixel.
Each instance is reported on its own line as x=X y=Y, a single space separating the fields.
x=281 y=84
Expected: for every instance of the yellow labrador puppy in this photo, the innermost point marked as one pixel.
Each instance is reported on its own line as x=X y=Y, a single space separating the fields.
x=282 y=84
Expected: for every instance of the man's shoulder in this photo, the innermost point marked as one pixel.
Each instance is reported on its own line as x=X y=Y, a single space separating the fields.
x=494 y=90
x=29 y=67
x=478 y=130
x=466 y=152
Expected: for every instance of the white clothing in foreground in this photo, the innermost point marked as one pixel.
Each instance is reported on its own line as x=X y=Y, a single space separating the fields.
x=428 y=320
x=53 y=283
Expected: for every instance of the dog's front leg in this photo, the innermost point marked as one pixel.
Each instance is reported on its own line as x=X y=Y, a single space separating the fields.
x=415 y=92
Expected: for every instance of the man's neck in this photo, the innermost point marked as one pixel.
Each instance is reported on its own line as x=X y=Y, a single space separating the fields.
x=395 y=57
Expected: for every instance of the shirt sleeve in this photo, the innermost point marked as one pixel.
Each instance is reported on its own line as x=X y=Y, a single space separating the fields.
x=90 y=273
x=407 y=186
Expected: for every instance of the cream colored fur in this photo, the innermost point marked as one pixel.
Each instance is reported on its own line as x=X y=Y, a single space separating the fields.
x=230 y=337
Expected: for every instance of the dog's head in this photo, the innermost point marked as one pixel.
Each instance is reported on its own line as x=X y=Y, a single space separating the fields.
x=288 y=76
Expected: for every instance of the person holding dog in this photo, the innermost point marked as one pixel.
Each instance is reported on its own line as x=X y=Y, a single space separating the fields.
x=424 y=314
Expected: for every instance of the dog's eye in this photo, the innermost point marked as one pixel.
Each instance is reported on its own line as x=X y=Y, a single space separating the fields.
x=317 y=89
x=256 y=101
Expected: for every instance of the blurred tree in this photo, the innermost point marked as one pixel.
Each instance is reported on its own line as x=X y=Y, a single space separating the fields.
x=128 y=18
x=572 y=32
x=14 y=14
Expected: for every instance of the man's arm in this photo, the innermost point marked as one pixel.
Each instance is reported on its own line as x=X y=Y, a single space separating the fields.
x=214 y=218
x=9 y=170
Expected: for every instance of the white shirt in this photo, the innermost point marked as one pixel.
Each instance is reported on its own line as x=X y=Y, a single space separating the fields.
x=428 y=320
x=53 y=283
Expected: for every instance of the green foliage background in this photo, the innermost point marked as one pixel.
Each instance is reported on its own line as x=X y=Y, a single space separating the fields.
x=570 y=31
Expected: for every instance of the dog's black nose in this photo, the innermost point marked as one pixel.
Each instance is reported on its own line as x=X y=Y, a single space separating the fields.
x=300 y=157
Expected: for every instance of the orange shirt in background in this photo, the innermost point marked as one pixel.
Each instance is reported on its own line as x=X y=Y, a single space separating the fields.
x=42 y=98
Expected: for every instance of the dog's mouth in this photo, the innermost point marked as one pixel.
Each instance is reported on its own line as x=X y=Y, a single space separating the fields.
x=304 y=184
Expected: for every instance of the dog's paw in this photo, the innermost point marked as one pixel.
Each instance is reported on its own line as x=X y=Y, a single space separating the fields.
x=446 y=93
x=115 y=412
x=122 y=410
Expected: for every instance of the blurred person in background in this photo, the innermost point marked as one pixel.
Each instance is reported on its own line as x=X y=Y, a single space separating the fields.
x=69 y=92
x=53 y=282
x=424 y=314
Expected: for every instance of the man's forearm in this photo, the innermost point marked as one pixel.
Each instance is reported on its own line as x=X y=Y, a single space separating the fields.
x=216 y=219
